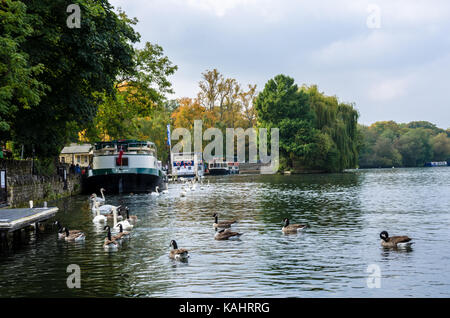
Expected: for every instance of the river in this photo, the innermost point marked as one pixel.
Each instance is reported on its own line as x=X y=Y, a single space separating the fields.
x=345 y=213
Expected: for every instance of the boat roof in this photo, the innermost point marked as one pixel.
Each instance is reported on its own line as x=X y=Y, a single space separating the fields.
x=125 y=142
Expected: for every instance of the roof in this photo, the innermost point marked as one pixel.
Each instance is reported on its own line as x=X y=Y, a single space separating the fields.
x=76 y=148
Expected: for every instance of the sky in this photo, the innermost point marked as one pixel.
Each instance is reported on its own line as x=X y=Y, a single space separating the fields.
x=391 y=59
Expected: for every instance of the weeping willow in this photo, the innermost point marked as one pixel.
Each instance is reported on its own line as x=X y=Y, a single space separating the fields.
x=317 y=132
x=336 y=129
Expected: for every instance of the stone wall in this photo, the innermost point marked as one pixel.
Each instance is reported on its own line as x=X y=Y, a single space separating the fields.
x=16 y=167
x=22 y=186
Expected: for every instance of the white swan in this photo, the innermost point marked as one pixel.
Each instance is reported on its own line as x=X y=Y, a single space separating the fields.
x=104 y=209
x=95 y=198
x=167 y=189
x=98 y=218
x=125 y=224
x=156 y=193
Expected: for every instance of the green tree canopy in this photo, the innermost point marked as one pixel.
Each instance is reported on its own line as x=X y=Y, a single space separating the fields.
x=316 y=131
x=77 y=63
x=19 y=87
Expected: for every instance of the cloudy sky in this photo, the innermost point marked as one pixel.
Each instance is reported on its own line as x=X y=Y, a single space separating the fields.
x=390 y=58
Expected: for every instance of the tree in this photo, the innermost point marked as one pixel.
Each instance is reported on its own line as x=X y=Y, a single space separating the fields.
x=441 y=147
x=337 y=123
x=78 y=63
x=247 y=101
x=209 y=88
x=415 y=148
x=281 y=99
x=385 y=154
x=140 y=93
x=19 y=87
x=189 y=111
x=282 y=105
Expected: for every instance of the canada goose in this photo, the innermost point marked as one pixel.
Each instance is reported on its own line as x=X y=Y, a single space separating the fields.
x=98 y=218
x=109 y=242
x=125 y=224
x=226 y=234
x=130 y=218
x=73 y=237
x=176 y=253
x=292 y=228
x=222 y=224
x=62 y=233
x=122 y=234
x=394 y=241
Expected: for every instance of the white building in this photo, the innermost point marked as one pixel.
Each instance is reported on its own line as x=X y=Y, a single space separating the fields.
x=77 y=154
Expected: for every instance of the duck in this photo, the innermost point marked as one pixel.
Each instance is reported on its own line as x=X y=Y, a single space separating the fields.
x=394 y=241
x=179 y=254
x=109 y=243
x=98 y=217
x=222 y=224
x=62 y=233
x=226 y=234
x=125 y=224
x=292 y=228
x=73 y=237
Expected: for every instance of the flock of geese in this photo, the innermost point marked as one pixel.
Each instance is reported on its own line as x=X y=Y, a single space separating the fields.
x=123 y=223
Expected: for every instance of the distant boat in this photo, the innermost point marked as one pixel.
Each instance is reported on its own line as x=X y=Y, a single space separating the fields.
x=437 y=164
x=187 y=164
x=220 y=167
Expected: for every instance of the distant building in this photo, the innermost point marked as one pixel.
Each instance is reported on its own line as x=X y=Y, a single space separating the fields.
x=77 y=154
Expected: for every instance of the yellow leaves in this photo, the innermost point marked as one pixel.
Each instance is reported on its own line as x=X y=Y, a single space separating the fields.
x=191 y=110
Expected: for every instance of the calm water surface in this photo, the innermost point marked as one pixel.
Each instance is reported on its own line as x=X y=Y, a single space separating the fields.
x=345 y=212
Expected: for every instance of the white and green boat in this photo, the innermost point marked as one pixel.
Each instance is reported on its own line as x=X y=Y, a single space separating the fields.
x=125 y=166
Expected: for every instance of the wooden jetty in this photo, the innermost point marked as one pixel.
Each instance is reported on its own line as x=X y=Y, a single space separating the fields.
x=16 y=219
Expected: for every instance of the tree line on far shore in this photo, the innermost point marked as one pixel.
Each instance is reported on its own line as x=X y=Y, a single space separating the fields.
x=88 y=84
x=389 y=144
